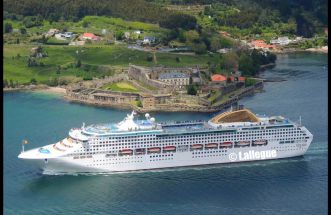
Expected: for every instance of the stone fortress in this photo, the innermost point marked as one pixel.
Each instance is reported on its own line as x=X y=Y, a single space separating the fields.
x=160 y=89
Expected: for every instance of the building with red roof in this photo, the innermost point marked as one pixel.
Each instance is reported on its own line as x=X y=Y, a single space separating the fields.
x=260 y=44
x=90 y=36
x=218 y=78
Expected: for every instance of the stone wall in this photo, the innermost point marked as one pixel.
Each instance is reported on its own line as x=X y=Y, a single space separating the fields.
x=143 y=75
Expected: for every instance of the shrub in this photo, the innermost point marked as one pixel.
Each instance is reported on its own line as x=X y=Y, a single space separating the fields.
x=191 y=89
x=139 y=103
x=149 y=58
x=177 y=59
x=8 y=28
x=33 y=81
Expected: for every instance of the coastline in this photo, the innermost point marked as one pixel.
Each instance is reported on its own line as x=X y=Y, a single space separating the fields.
x=293 y=50
x=53 y=90
x=38 y=88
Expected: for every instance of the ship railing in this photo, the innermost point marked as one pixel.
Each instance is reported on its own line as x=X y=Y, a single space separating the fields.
x=187 y=122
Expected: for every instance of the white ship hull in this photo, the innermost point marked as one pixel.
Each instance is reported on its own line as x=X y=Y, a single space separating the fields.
x=134 y=146
x=126 y=163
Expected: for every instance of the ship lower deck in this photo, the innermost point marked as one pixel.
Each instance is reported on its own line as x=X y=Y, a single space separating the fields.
x=99 y=164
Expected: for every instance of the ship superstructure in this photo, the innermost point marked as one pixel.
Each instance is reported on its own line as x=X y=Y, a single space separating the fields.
x=233 y=136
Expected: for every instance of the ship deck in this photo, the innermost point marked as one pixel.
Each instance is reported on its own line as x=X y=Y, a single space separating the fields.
x=175 y=127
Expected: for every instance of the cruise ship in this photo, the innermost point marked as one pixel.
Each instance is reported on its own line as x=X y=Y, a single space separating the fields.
x=130 y=145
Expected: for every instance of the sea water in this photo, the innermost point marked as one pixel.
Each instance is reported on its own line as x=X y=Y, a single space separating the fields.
x=288 y=186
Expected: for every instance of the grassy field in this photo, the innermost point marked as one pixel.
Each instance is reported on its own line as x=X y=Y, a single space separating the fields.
x=61 y=60
x=122 y=86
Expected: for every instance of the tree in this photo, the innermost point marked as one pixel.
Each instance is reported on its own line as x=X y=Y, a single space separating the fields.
x=249 y=82
x=149 y=58
x=191 y=90
x=79 y=63
x=177 y=59
x=246 y=65
x=199 y=48
x=229 y=61
x=23 y=30
x=5 y=83
x=8 y=27
x=85 y=24
x=11 y=83
x=119 y=35
x=33 y=81
x=191 y=36
x=215 y=44
x=139 y=103
x=31 y=21
x=178 y=20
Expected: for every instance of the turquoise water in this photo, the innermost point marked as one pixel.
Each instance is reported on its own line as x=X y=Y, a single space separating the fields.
x=288 y=186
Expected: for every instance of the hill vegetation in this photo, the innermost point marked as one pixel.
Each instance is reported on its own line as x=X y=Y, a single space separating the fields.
x=300 y=17
x=34 y=11
x=198 y=25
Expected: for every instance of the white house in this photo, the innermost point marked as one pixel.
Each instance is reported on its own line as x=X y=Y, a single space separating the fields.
x=281 y=41
x=148 y=40
x=52 y=31
x=60 y=36
x=127 y=35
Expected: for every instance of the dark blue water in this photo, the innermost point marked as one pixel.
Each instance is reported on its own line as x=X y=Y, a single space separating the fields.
x=288 y=186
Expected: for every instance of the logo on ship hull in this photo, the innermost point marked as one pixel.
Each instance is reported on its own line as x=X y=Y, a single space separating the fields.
x=253 y=155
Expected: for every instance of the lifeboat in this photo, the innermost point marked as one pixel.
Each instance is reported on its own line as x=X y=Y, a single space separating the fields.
x=196 y=146
x=260 y=142
x=211 y=146
x=226 y=144
x=126 y=152
x=153 y=150
x=243 y=143
x=169 y=148
x=139 y=151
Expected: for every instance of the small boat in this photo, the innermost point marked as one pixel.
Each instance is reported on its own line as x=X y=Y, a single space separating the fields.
x=259 y=142
x=211 y=146
x=126 y=152
x=243 y=143
x=139 y=151
x=153 y=150
x=169 y=148
x=226 y=144
x=196 y=146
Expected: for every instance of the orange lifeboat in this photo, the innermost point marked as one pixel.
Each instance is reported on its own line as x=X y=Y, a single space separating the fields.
x=169 y=148
x=243 y=143
x=126 y=152
x=259 y=142
x=211 y=146
x=196 y=146
x=139 y=151
x=153 y=150
x=226 y=144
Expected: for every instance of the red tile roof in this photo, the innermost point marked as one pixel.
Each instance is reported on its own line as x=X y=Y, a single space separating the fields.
x=262 y=44
x=91 y=35
x=218 y=78
x=258 y=42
